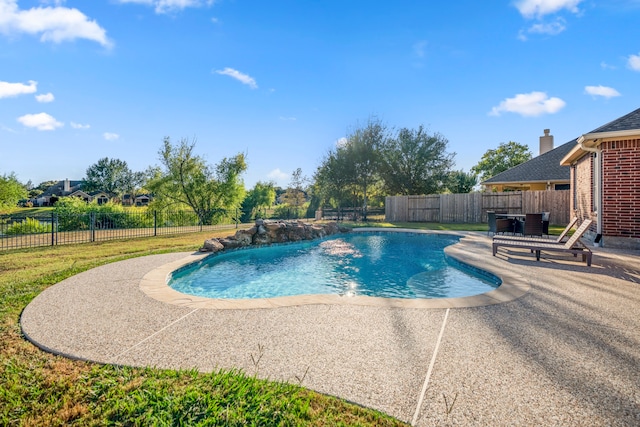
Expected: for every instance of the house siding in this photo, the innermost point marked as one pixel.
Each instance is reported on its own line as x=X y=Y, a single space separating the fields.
x=621 y=189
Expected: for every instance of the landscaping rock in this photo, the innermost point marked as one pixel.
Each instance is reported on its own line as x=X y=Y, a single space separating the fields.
x=266 y=232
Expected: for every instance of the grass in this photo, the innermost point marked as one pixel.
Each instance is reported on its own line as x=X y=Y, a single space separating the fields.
x=38 y=388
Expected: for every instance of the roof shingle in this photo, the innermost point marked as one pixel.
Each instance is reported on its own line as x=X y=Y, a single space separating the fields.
x=545 y=167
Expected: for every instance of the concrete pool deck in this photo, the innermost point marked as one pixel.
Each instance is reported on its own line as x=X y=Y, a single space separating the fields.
x=561 y=348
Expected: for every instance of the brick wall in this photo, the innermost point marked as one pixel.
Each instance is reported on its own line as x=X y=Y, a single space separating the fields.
x=582 y=203
x=621 y=188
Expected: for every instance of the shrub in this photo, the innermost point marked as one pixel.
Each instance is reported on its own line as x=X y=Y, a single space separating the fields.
x=28 y=226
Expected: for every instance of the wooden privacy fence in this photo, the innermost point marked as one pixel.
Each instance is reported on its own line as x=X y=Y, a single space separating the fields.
x=472 y=207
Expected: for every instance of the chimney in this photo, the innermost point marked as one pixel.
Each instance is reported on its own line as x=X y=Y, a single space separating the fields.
x=67 y=184
x=546 y=142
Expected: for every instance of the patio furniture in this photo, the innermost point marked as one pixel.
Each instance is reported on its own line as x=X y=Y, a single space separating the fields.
x=545 y=223
x=499 y=225
x=559 y=239
x=532 y=225
x=573 y=245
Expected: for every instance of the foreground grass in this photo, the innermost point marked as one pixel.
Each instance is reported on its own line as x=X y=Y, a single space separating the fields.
x=37 y=388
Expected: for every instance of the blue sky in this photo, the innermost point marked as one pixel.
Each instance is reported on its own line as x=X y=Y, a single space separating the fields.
x=282 y=81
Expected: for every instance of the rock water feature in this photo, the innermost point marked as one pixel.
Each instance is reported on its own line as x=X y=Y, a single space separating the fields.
x=266 y=232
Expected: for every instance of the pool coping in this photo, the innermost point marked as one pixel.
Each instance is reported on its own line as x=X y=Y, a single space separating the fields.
x=154 y=284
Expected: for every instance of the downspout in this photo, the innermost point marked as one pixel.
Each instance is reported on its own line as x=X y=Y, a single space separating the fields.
x=597 y=180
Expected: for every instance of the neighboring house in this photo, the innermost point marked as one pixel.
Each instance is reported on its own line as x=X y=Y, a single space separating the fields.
x=543 y=172
x=140 y=200
x=99 y=196
x=69 y=188
x=605 y=181
x=60 y=189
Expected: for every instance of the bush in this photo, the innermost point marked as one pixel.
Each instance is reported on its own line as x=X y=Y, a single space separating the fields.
x=28 y=226
x=289 y=212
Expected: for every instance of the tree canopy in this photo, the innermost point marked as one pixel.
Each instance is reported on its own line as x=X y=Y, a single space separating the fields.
x=506 y=156
x=112 y=176
x=261 y=196
x=186 y=179
x=374 y=161
x=462 y=182
x=414 y=162
x=11 y=190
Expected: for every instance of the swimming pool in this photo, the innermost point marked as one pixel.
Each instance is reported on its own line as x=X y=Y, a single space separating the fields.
x=379 y=264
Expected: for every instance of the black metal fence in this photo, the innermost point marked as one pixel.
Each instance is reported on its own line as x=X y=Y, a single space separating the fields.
x=352 y=214
x=50 y=228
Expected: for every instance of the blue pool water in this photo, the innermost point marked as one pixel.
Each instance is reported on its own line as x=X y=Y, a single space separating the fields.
x=391 y=264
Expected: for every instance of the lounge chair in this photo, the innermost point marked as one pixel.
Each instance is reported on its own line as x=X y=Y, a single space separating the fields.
x=573 y=245
x=540 y=239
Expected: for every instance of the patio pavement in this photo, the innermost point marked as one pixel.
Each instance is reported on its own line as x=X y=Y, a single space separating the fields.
x=564 y=349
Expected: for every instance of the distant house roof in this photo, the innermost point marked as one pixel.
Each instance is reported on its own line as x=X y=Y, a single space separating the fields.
x=58 y=189
x=543 y=168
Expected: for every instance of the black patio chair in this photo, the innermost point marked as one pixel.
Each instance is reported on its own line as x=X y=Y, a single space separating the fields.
x=533 y=224
x=491 y=219
x=545 y=223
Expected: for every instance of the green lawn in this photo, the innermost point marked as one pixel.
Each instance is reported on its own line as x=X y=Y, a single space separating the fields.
x=37 y=388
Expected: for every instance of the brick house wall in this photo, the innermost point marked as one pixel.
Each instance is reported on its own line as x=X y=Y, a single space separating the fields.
x=621 y=189
x=582 y=185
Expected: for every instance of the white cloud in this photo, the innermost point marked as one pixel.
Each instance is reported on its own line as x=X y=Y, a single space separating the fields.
x=110 y=136
x=45 y=97
x=553 y=28
x=168 y=6
x=40 y=121
x=14 y=89
x=341 y=142
x=79 y=126
x=606 y=66
x=287 y=119
x=604 y=91
x=529 y=105
x=634 y=62
x=55 y=24
x=540 y=8
x=278 y=176
x=241 y=77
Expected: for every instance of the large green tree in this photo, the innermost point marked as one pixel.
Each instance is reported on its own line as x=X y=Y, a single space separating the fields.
x=112 y=176
x=186 y=179
x=462 y=182
x=334 y=180
x=294 y=195
x=415 y=162
x=261 y=196
x=362 y=150
x=506 y=156
x=11 y=190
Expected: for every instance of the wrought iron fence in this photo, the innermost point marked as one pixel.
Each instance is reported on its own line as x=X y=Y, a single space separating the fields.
x=352 y=214
x=51 y=228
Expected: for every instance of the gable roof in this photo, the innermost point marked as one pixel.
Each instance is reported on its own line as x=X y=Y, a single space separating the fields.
x=627 y=126
x=629 y=121
x=543 y=168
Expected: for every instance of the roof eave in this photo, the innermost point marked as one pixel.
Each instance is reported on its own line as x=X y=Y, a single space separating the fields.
x=541 y=181
x=572 y=155
x=593 y=140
